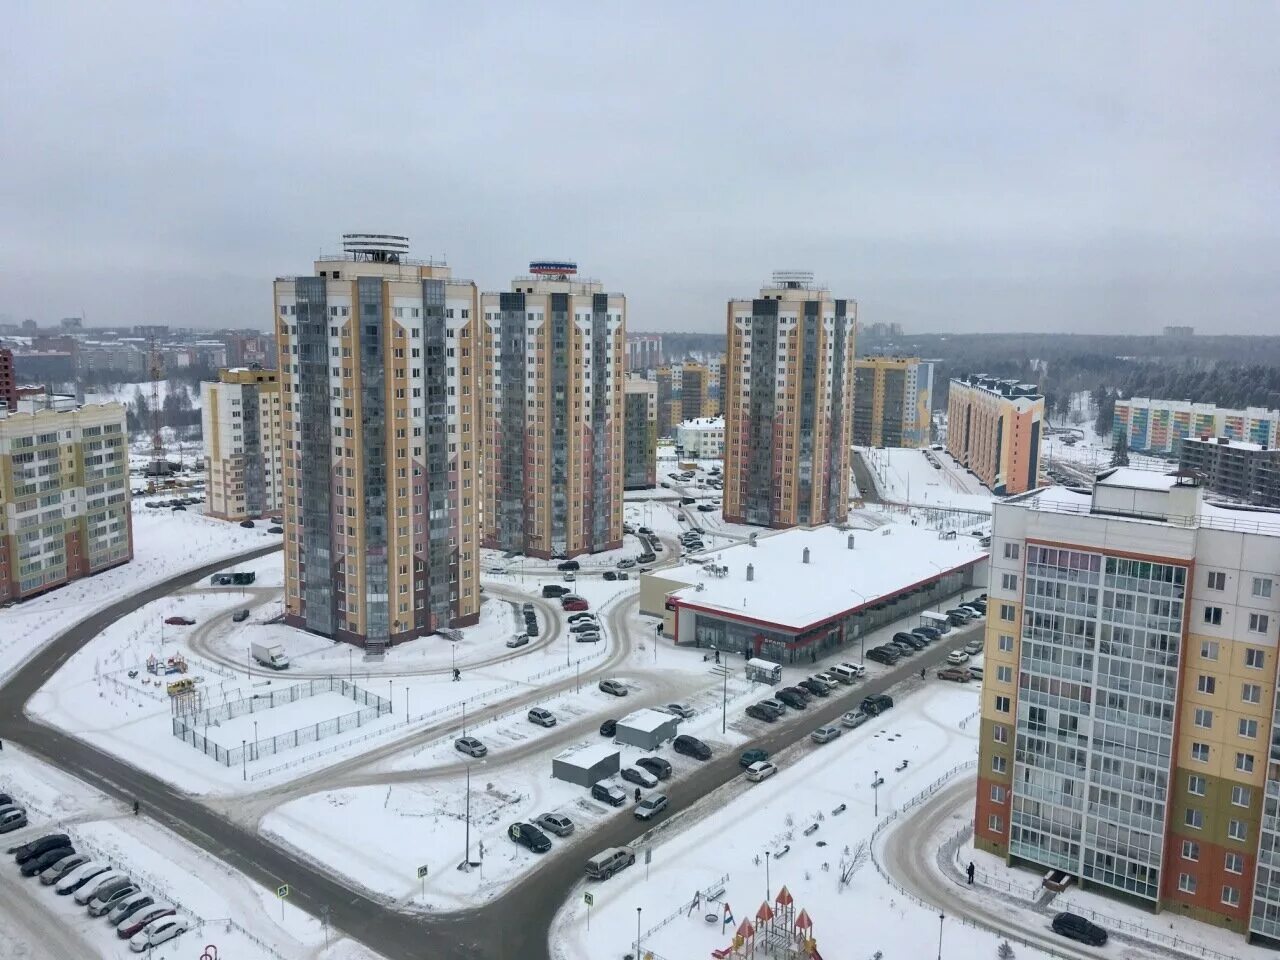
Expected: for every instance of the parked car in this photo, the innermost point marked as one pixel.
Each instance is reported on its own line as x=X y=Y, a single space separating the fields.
x=656 y=765
x=774 y=704
x=929 y=633
x=626 y=563
x=527 y=835
x=33 y=848
x=240 y=616
x=680 y=710
x=554 y=590
x=876 y=704
x=854 y=719
x=129 y=905
x=129 y=926
x=814 y=687
x=587 y=638
x=81 y=875
x=639 y=776
x=102 y=883
x=609 y=728
x=556 y=823
x=612 y=687
x=650 y=807
x=60 y=868
x=578 y=604
x=910 y=639
x=470 y=746
x=975 y=672
x=800 y=692
x=45 y=860
x=973 y=647
x=605 y=864
x=825 y=734
x=569 y=577
x=885 y=656
x=542 y=717
x=585 y=626
x=691 y=747
x=105 y=899
x=179 y=621
x=645 y=530
x=569 y=565
x=519 y=640
x=828 y=678
x=964 y=616
x=275 y=529
x=1075 y=927
x=848 y=672
x=791 y=699
x=758 y=712
x=610 y=575
x=610 y=793
x=158 y=932
x=957 y=657
x=957 y=674
x=762 y=770
x=754 y=755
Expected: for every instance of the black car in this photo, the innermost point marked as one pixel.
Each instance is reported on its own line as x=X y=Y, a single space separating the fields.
x=609 y=728
x=646 y=530
x=691 y=747
x=791 y=699
x=47 y=859
x=876 y=704
x=581 y=615
x=931 y=632
x=814 y=687
x=655 y=765
x=569 y=565
x=247 y=524
x=610 y=575
x=275 y=529
x=34 y=848
x=800 y=692
x=757 y=712
x=527 y=835
x=646 y=558
x=554 y=590
x=911 y=640
x=1078 y=928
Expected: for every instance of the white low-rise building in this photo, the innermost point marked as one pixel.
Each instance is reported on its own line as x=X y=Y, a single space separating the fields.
x=702 y=438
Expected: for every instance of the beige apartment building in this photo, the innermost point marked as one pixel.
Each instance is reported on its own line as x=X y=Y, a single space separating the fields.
x=553 y=351
x=1129 y=700
x=788 y=402
x=994 y=428
x=640 y=433
x=64 y=494
x=380 y=374
x=695 y=392
x=244 y=448
x=892 y=402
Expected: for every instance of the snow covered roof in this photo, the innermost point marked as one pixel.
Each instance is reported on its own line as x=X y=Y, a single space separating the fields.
x=588 y=756
x=703 y=423
x=792 y=594
x=1225 y=442
x=646 y=721
x=1133 y=479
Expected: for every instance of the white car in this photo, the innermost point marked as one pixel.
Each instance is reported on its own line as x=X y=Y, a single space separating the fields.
x=639 y=776
x=158 y=932
x=957 y=657
x=90 y=889
x=854 y=719
x=679 y=710
x=761 y=770
x=973 y=646
x=80 y=875
x=825 y=734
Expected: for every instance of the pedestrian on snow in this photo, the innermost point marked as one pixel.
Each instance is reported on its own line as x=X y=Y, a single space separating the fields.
x=813 y=656
x=637 y=794
x=922 y=673
x=969 y=871
x=457 y=674
x=717 y=656
x=135 y=808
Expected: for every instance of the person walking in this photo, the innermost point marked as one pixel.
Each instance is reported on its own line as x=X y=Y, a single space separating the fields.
x=135 y=807
x=969 y=871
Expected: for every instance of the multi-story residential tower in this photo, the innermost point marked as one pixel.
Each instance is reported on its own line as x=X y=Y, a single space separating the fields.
x=891 y=402
x=1249 y=472
x=8 y=386
x=380 y=376
x=644 y=352
x=640 y=434
x=695 y=385
x=244 y=449
x=668 y=402
x=993 y=428
x=1128 y=710
x=1157 y=426
x=553 y=348
x=64 y=494
x=788 y=400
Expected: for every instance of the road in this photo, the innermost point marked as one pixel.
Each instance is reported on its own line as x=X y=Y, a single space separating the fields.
x=515 y=926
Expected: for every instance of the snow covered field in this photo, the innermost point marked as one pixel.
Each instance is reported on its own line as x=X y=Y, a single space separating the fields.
x=906 y=476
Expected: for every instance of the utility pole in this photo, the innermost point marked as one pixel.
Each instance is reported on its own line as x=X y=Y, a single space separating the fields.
x=941 y=917
x=244 y=770
x=637 y=933
x=724 y=698
x=467 y=859
x=766 y=876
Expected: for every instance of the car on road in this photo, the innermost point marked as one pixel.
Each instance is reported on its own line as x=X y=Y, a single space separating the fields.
x=791 y=699
x=519 y=640
x=759 y=712
x=102 y=883
x=470 y=746
x=876 y=704
x=957 y=657
x=130 y=925
x=542 y=717
x=45 y=860
x=650 y=807
x=613 y=687
x=129 y=905
x=691 y=747
x=610 y=793
x=105 y=900
x=556 y=823
x=610 y=575
x=608 y=862
x=626 y=563
x=973 y=647
x=1075 y=927
x=59 y=869
x=527 y=835
x=656 y=765
x=569 y=565
x=179 y=621
x=679 y=710
x=158 y=932
x=569 y=577
x=754 y=755
x=554 y=590
x=762 y=770
x=639 y=776
x=825 y=734
x=854 y=719
x=240 y=616
x=609 y=728
x=33 y=848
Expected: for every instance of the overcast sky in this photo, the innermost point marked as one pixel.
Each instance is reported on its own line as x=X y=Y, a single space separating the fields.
x=1102 y=167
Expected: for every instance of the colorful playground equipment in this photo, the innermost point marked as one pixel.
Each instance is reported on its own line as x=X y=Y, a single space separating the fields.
x=777 y=932
x=170 y=665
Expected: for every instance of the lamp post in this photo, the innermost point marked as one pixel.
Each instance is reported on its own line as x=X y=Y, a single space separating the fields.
x=875 y=789
x=766 y=876
x=637 y=933
x=244 y=770
x=941 y=917
x=466 y=858
x=862 y=634
x=390 y=702
x=255 y=740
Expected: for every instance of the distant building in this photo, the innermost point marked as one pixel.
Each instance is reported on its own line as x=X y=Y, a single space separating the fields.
x=43 y=366
x=1179 y=331
x=715 y=385
x=788 y=403
x=668 y=403
x=702 y=439
x=71 y=324
x=8 y=386
x=993 y=428
x=891 y=402
x=64 y=497
x=1244 y=471
x=695 y=397
x=241 y=417
x=1157 y=426
x=644 y=352
x=640 y=433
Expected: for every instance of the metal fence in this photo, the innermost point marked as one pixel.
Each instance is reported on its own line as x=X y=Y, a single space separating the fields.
x=187 y=725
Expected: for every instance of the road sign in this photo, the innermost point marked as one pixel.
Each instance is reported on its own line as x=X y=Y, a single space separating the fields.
x=590 y=900
x=648 y=855
x=422 y=871
x=282 y=891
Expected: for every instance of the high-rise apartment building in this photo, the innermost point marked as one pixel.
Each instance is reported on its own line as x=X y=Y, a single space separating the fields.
x=640 y=434
x=695 y=391
x=553 y=349
x=1249 y=472
x=715 y=385
x=1156 y=426
x=64 y=494
x=891 y=402
x=243 y=443
x=644 y=352
x=8 y=386
x=668 y=402
x=1128 y=710
x=380 y=373
x=789 y=405
x=993 y=428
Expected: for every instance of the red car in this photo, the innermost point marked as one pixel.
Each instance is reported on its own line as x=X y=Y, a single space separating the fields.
x=575 y=605
x=179 y=621
x=128 y=927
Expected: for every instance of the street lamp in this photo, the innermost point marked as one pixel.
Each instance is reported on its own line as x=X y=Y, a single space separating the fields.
x=637 y=933
x=941 y=917
x=244 y=771
x=766 y=876
x=255 y=740
x=875 y=789
x=862 y=634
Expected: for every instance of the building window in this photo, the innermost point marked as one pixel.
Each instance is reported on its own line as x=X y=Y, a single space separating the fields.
x=1005 y=642
x=1244 y=762
x=1002 y=704
x=1194 y=819
x=1004 y=674
x=1253 y=658
x=1007 y=612
x=1000 y=733
x=1231 y=896
x=1217 y=580
x=1248 y=728
x=1200 y=752
x=1237 y=830
x=1186 y=883
x=997 y=793
x=1204 y=718
x=1011 y=551
x=1251 y=693
x=1241 y=796
x=1190 y=850
x=995 y=823
x=1009 y=581
x=1213 y=616
x=1233 y=863
x=1258 y=622
x=999 y=765
x=1195 y=785
x=1206 y=683
x=1208 y=649
x=1262 y=586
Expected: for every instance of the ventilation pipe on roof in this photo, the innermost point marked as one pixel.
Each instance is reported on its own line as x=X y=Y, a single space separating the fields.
x=751 y=572
x=805 y=557
x=851 y=541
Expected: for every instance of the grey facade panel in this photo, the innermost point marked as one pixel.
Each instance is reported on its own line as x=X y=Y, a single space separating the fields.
x=255 y=487
x=438 y=565
x=837 y=428
x=758 y=500
x=602 y=488
x=373 y=462
x=315 y=495
x=509 y=524
x=560 y=413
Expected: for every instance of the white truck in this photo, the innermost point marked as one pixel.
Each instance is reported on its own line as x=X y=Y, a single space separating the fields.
x=270 y=655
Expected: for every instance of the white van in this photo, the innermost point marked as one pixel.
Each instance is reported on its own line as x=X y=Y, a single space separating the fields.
x=845 y=674
x=604 y=865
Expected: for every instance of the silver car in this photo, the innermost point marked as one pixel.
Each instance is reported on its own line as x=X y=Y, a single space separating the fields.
x=556 y=823
x=470 y=746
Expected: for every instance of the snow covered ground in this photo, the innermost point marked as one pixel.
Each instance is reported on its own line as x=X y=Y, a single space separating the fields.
x=907 y=476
